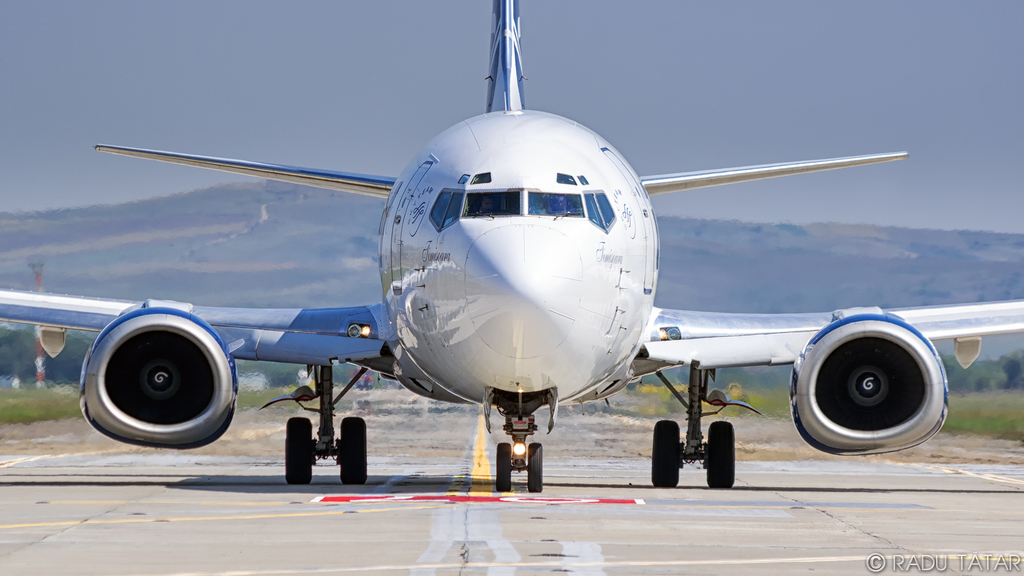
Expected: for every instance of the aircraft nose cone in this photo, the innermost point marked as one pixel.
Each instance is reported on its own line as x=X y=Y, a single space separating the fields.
x=523 y=287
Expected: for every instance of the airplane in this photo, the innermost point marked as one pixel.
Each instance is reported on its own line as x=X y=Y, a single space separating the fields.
x=519 y=256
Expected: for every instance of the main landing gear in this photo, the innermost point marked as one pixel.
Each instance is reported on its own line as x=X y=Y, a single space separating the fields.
x=302 y=451
x=517 y=456
x=718 y=454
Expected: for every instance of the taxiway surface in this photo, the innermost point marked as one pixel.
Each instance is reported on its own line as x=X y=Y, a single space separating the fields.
x=182 y=513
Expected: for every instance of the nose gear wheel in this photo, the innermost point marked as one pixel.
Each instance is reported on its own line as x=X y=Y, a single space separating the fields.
x=520 y=424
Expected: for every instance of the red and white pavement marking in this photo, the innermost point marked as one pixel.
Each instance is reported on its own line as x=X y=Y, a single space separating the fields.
x=473 y=499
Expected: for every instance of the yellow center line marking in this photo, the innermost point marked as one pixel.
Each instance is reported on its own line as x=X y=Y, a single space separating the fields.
x=991 y=477
x=453 y=488
x=481 y=473
x=226 y=517
x=23 y=460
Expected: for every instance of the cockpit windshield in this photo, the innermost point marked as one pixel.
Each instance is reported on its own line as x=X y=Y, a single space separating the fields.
x=559 y=205
x=492 y=204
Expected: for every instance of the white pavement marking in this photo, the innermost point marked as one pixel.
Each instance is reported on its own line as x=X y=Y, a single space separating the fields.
x=448 y=524
x=462 y=525
x=485 y=524
x=535 y=565
x=467 y=526
x=588 y=553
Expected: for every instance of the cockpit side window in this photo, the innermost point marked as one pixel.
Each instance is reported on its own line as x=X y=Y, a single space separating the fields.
x=607 y=212
x=565 y=179
x=493 y=204
x=559 y=205
x=453 y=209
x=593 y=212
x=440 y=208
x=599 y=210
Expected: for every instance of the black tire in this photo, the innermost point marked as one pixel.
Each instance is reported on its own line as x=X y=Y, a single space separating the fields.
x=535 y=468
x=665 y=455
x=503 y=468
x=721 y=455
x=298 y=451
x=352 y=451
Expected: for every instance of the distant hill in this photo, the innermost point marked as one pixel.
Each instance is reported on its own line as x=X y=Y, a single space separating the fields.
x=272 y=244
x=243 y=245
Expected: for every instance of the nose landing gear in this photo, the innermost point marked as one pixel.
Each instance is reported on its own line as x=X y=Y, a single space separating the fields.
x=517 y=456
x=302 y=451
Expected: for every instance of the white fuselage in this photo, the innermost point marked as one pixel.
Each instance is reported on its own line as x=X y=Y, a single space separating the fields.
x=517 y=302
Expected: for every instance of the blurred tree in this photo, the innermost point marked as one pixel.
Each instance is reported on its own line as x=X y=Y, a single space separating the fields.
x=1012 y=369
x=18 y=353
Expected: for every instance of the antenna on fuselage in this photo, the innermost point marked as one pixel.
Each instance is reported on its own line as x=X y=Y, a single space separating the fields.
x=505 y=83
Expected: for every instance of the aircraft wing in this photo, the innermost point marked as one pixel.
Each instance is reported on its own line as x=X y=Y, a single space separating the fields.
x=299 y=336
x=379 y=186
x=666 y=183
x=721 y=340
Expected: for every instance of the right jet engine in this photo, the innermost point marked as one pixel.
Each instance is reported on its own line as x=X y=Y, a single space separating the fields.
x=868 y=383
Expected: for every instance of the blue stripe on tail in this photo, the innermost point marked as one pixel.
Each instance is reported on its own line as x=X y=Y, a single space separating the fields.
x=505 y=83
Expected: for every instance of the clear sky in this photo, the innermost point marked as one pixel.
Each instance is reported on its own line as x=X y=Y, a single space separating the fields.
x=676 y=86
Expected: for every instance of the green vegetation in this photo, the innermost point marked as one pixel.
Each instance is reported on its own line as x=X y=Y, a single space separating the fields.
x=24 y=406
x=18 y=354
x=254 y=399
x=992 y=414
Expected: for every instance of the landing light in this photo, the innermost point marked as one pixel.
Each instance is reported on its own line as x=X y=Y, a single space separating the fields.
x=670 y=333
x=358 y=331
x=519 y=448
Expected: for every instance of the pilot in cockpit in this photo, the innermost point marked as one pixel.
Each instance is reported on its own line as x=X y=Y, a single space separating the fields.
x=557 y=204
x=486 y=205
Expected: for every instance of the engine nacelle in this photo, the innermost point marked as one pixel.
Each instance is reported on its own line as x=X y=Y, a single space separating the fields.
x=866 y=384
x=159 y=377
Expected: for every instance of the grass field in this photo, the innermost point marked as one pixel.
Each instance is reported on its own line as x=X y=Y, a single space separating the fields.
x=33 y=405
x=990 y=414
x=24 y=406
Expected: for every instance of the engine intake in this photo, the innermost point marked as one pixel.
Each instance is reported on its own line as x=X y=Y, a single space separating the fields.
x=866 y=384
x=159 y=377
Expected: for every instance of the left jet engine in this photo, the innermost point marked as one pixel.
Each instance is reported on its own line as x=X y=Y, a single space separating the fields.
x=159 y=377
x=868 y=383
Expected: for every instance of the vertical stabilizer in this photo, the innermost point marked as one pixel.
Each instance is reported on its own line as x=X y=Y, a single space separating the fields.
x=505 y=83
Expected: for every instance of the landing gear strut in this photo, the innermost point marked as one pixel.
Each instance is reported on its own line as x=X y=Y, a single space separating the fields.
x=518 y=408
x=302 y=451
x=669 y=455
